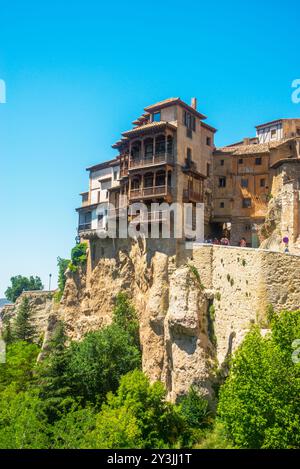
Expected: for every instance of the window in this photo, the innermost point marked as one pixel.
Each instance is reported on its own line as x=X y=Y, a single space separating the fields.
x=208 y=141
x=222 y=182
x=85 y=197
x=247 y=227
x=115 y=174
x=188 y=156
x=262 y=183
x=156 y=117
x=246 y=203
x=100 y=220
x=257 y=161
x=222 y=204
x=241 y=161
x=207 y=169
x=222 y=162
x=298 y=132
x=273 y=133
x=189 y=121
x=244 y=182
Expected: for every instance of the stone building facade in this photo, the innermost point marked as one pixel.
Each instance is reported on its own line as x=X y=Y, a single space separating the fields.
x=169 y=156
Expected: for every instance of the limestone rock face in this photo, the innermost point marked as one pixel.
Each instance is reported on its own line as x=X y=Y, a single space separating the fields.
x=194 y=308
x=40 y=303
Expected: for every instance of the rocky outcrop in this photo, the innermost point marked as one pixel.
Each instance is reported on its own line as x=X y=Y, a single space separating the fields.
x=40 y=303
x=194 y=307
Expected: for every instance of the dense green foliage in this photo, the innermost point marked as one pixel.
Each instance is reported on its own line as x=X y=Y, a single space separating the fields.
x=23 y=328
x=62 y=265
x=20 y=284
x=93 y=394
x=260 y=401
x=78 y=256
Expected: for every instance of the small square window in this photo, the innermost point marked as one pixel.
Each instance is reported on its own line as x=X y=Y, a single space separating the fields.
x=241 y=161
x=258 y=161
x=222 y=162
x=247 y=203
x=273 y=133
x=262 y=183
x=244 y=182
x=222 y=205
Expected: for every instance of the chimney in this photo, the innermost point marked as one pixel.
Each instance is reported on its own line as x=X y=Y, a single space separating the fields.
x=246 y=141
x=194 y=103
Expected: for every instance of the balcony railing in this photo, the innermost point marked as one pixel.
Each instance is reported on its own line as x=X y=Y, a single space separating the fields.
x=159 y=158
x=85 y=227
x=149 y=192
x=157 y=216
x=195 y=196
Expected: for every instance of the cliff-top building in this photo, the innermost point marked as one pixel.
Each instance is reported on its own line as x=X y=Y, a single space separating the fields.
x=169 y=156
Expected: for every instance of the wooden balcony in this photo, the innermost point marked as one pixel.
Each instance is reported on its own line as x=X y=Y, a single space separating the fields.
x=158 y=159
x=150 y=192
x=192 y=196
x=85 y=227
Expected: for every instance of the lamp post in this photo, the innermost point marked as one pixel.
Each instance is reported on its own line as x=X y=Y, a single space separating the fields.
x=50 y=276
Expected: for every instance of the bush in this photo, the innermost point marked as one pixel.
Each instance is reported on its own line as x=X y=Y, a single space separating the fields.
x=259 y=402
x=20 y=364
x=137 y=416
x=22 y=421
x=78 y=256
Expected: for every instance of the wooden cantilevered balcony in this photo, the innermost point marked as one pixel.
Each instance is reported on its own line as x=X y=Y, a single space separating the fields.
x=150 y=192
x=84 y=227
x=158 y=159
x=190 y=195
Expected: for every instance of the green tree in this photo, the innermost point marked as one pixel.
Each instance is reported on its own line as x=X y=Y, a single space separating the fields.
x=137 y=416
x=124 y=315
x=62 y=265
x=78 y=256
x=195 y=408
x=96 y=364
x=19 y=367
x=20 y=284
x=259 y=403
x=22 y=421
x=23 y=328
x=7 y=333
x=69 y=432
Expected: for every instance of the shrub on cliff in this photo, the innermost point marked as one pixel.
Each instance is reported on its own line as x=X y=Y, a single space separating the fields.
x=96 y=364
x=124 y=316
x=259 y=402
x=137 y=416
x=20 y=284
x=78 y=256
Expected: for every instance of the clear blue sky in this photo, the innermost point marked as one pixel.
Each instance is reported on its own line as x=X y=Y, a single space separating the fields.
x=77 y=74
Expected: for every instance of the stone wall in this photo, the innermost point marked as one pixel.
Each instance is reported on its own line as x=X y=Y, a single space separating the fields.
x=244 y=282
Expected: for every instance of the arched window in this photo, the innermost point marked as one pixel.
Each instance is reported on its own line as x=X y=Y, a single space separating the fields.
x=160 y=145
